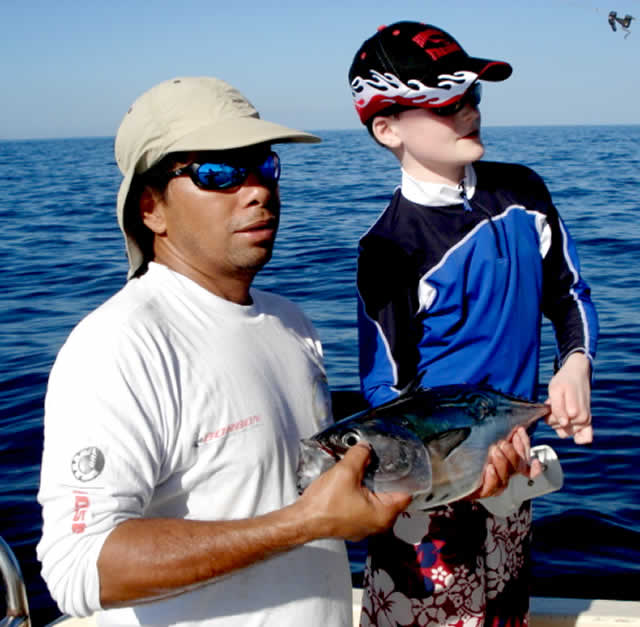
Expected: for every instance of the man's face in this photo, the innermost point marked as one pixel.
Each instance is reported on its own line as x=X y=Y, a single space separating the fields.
x=216 y=236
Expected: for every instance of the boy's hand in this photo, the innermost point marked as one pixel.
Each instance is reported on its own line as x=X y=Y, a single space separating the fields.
x=570 y=400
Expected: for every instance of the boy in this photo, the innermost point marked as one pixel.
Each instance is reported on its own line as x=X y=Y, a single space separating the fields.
x=453 y=279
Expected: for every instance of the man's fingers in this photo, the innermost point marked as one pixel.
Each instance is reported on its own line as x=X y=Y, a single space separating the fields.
x=522 y=443
x=399 y=501
x=536 y=469
x=357 y=458
x=491 y=483
x=509 y=462
x=496 y=472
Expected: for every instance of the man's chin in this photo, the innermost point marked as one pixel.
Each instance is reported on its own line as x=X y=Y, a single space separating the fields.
x=258 y=260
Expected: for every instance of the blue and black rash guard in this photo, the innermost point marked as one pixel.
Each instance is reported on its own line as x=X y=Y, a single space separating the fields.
x=454 y=290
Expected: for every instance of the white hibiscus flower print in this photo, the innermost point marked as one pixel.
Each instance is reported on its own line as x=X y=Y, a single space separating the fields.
x=504 y=548
x=441 y=578
x=384 y=606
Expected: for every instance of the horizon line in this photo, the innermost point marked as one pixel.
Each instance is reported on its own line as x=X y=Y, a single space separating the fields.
x=344 y=129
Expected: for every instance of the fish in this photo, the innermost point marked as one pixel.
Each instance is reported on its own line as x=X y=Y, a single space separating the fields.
x=430 y=442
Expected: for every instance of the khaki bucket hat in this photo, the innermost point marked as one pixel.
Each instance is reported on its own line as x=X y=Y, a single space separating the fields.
x=184 y=114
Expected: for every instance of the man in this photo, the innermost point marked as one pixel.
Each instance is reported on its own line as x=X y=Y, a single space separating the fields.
x=174 y=410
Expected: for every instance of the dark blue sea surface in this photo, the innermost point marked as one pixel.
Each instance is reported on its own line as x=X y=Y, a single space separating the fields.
x=61 y=255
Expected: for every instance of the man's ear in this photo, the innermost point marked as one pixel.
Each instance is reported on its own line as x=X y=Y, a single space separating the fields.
x=384 y=131
x=152 y=211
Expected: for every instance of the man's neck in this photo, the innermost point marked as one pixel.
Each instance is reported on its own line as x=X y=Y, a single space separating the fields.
x=235 y=289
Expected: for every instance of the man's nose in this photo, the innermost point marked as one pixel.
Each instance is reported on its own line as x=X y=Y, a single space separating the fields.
x=256 y=191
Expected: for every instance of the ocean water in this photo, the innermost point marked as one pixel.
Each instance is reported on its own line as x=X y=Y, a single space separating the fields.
x=61 y=255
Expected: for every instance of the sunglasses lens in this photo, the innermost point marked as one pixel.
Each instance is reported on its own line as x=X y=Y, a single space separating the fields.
x=219 y=175
x=475 y=94
x=269 y=170
x=472 y=96
x=214 y=176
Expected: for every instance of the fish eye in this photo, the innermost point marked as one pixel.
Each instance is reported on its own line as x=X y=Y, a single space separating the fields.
x=480 y=407
x=350 y=438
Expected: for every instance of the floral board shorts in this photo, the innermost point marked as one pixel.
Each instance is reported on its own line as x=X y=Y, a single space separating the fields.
x=456 y=565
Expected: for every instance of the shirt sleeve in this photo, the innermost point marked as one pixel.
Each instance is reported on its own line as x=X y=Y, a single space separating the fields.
x=566 y=296
x=388 y=331
x=102 y=457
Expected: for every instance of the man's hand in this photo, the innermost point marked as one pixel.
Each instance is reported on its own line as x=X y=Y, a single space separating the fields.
x=507 y=458
x=570 y=400
x=338 y=505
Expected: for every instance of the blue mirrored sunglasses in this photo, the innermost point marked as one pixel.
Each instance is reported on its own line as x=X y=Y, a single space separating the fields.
x=221 y=175
x=471 y=96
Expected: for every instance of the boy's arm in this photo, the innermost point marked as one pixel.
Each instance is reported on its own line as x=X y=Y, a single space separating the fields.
x=566 y=299
x=388 y=354
x=567 y=303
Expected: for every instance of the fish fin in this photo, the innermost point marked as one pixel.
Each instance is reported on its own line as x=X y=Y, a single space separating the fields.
x=448 y=441
x=413 y=385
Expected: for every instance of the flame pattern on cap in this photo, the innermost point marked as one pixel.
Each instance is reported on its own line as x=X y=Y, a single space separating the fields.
x=371 y=95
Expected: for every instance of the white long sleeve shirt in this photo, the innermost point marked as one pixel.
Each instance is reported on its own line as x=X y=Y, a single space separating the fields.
x=168 y=401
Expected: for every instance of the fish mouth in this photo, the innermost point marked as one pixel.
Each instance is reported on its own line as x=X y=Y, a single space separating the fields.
x=324 y=449
x=314 y=460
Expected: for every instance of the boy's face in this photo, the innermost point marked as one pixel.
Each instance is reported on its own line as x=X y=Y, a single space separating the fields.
x=435 y=148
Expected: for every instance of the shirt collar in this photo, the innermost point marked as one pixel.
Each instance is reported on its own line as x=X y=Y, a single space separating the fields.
x=438 y=194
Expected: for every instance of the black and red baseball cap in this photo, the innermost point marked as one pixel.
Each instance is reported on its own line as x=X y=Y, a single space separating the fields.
x=415 y=65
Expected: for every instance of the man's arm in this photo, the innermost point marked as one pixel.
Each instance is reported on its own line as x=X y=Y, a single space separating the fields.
x=153 y=558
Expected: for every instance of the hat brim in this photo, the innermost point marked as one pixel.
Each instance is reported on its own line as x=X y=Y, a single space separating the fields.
x=488 y=70
x=240 y=133
x=134 y=253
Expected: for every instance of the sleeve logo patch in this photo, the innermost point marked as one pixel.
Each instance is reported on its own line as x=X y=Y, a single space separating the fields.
x=87 y=463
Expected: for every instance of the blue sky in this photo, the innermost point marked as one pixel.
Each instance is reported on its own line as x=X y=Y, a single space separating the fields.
x=72 y=68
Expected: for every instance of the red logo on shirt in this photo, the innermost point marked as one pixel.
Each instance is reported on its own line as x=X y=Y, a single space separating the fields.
x=223 y=431
x=80 y=509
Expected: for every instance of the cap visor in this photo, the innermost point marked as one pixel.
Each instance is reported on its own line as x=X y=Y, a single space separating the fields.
x=491 y=70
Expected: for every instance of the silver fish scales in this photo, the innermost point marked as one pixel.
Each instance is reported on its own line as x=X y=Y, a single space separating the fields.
x=430 y=442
